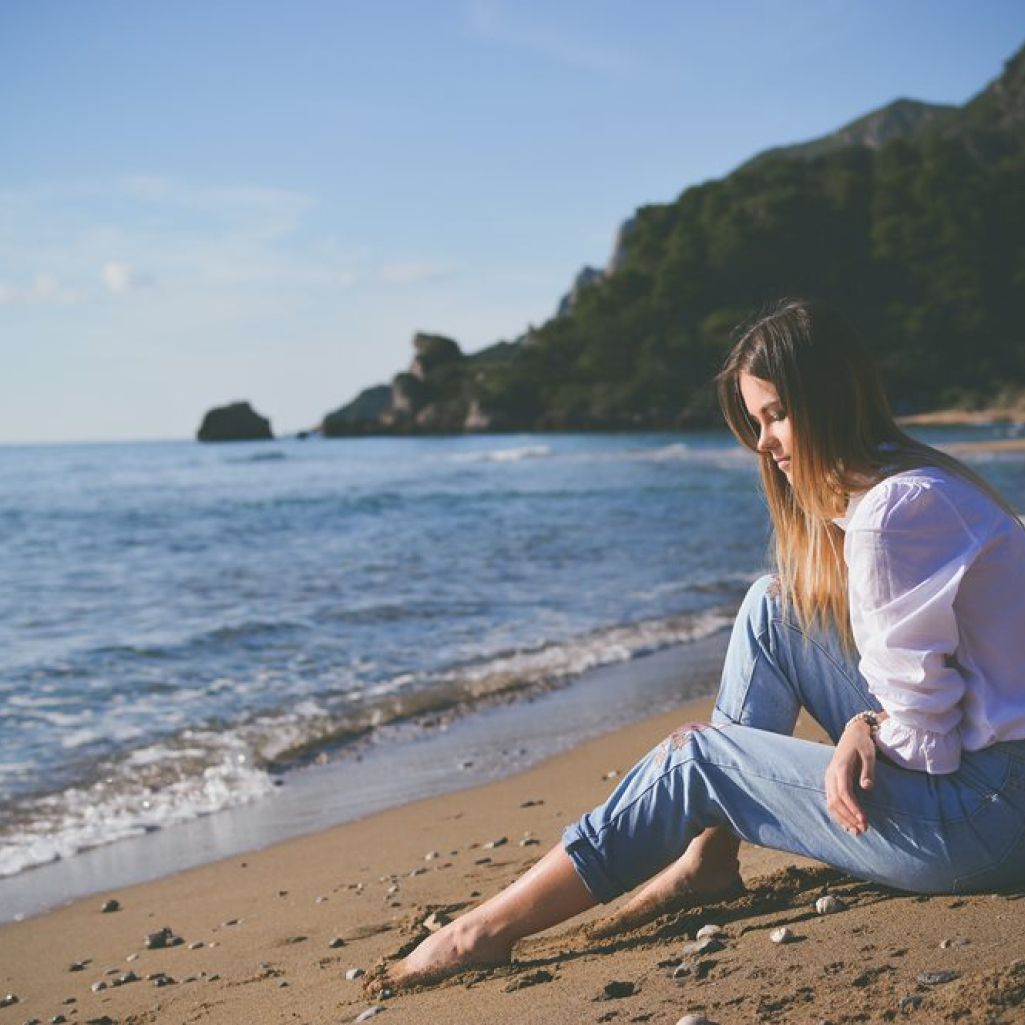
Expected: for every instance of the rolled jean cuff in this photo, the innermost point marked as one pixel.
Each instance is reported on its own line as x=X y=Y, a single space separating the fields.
x=583 y=853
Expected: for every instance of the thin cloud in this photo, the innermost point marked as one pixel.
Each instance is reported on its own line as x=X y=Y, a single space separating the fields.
x=496 y=22
x=44 y=290
x=413 y=273
x=120 y=278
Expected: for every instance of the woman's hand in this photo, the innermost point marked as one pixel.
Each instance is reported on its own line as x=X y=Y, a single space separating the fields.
x=853 y=759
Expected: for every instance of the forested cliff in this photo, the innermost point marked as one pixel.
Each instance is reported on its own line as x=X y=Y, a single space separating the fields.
x=911 y=219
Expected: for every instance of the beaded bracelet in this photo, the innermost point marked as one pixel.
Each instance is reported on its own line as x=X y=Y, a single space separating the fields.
x=869 y=718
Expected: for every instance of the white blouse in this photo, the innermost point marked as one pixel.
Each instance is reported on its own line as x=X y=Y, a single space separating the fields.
x=937 y=594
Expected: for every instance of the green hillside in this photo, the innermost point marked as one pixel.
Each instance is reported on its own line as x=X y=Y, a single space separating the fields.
x=911 y=219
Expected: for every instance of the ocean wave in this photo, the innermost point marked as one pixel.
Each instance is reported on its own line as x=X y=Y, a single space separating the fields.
x=203 y=771
x=155 y=787
x=503 y=455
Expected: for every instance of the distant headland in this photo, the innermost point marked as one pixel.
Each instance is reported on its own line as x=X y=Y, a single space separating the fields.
x=911 y=219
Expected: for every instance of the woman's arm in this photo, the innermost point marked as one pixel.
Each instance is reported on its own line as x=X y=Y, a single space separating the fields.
x=853 y=760
x=907 y=551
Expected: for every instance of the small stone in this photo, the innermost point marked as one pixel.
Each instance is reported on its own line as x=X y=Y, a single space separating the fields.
x=431 y=856
x=684 y=970
x=198 y=945
x=695 y=1019
x=369 y=1013
x=163 y=980
x=781 y=935
x=282 y=984
x=530 y=841
x=231 y=922
x=104 y=1019
x=353 y=974
x=132 y=957
x=77 y=966
x=706 y=945
x=110 y=906
x=33 y=1021
x=336 y=943
x=611 y=774
x=911 y=1003
x=8 y=1001
x=160 y=940
x=321 y=900
x=617 y=990
x=500 y=842
x=98 y=987
x=393 y=888
x=938 y=978
x=709 y=930
x=418 y=871
x=829 y=905
x=436 y=920
x=483 y=861
x=956 y=941
x=58 y=1019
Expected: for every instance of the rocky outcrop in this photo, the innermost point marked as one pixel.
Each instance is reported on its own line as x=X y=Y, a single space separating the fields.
x=235 y=422
x=901 y=119
x=433 y=352
x=428 y=398
x=363 y=414
x=621 y=246
x=587 y=278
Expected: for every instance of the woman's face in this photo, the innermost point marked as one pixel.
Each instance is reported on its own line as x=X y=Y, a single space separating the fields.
x=770 y=420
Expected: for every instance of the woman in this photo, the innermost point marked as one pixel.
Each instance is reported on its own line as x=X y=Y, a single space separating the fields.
x=896 y=618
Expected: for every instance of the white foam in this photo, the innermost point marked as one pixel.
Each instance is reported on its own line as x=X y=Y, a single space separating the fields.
x=155 y=788
x=503 y=455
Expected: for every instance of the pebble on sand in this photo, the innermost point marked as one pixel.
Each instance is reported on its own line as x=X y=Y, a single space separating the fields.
x=110 y=906
x=695 y=1019
x=938 y=978
x=164 y=938
x=8 y=1001
x=781 y=935
x=353 y=974
x=829 y=905
x=709 y=930
x=369 y=1012
x=617 y=990
x=500 y=842
x=336 y=943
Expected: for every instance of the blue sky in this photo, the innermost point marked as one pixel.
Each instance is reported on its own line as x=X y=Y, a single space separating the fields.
x=208 y=201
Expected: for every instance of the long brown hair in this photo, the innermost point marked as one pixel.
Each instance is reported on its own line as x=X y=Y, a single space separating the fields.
x=844 y=440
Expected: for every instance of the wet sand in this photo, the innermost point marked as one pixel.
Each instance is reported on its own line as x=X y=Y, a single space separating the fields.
x=270 y=936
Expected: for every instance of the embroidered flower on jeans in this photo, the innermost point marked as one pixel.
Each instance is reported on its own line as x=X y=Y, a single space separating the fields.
x=676 y=740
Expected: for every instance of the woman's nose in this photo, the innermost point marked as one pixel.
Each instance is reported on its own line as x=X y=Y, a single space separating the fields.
x=766 y=441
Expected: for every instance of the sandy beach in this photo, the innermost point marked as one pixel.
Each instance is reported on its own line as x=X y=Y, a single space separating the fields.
x=273 y=936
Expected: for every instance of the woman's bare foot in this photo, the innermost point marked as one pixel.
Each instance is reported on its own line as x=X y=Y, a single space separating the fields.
x=547 y=894
x=708 y=872
x=460 y=946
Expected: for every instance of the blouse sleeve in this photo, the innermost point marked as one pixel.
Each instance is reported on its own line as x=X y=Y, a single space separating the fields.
x=907 y=551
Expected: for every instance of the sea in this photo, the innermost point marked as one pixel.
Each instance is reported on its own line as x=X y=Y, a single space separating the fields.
x=188 y=630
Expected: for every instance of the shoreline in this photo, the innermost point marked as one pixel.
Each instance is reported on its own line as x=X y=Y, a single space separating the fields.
x=406 y=762
x=270 y=936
